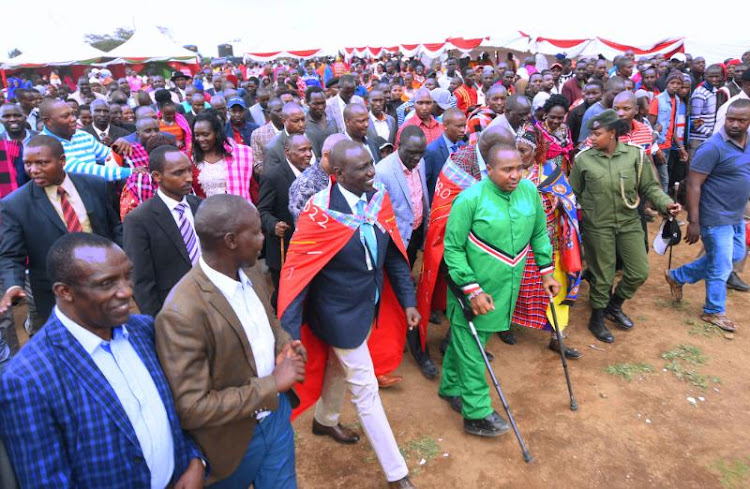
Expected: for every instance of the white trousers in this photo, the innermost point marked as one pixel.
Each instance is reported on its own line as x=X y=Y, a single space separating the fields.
x=354 y=368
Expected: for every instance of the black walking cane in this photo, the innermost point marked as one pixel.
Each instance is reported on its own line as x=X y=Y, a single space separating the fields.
x=558 y=333
x=469 y=315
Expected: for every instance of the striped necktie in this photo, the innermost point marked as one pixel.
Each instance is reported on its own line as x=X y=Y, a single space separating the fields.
x=367 y=232
x=71 y=218
x=188 y=233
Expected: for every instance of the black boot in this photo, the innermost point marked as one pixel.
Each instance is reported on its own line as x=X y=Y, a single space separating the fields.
x=507 y=337
x=491 y=426
x=597 y=327
x=426 y=364
x=736 y=283
x=613 y=312
x=445 y=341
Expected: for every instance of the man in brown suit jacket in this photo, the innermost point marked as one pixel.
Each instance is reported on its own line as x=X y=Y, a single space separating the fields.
x=228 y=362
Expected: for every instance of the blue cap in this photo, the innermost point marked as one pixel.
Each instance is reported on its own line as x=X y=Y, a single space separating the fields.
x=236 y=101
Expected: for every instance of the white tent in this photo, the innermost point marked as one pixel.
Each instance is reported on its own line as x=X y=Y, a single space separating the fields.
x=64 y=51
x=149 y=44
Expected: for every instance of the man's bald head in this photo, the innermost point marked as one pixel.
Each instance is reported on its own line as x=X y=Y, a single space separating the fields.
x=330 y=141
x=626 y=96
x=453 y=114
x=354 y=110
x=344 y=152
x=144 y=112
x=494 y=135
x=49 y=106
x=220 y=215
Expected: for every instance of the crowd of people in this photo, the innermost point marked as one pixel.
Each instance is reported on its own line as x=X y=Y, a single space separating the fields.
x=286 y=230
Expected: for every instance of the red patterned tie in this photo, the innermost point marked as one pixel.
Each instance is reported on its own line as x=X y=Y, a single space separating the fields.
x=71 y=219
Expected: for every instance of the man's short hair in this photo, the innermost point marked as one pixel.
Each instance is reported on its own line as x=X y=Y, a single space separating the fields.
x=61 y=264
x=158 y=157
x=499 y=147
x=739 y=104
x=42 y=140
x=411 y=132
x=312 y=89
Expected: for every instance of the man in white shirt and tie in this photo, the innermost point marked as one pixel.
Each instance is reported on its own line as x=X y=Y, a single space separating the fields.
x=159 y=235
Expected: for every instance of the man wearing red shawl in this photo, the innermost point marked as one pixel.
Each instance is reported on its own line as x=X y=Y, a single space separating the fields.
x=463 y=169
x=346 y=236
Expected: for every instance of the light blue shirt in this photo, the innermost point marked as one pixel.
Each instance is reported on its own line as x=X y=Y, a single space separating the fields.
x=84 y=154
x=135 y=389
x=449 y=144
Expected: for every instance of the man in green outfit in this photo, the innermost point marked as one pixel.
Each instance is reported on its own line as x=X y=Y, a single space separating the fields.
x=491 y=227
x=607 y=179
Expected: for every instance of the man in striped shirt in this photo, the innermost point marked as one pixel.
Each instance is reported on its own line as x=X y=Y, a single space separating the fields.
x=83 y=153
x=703 y=107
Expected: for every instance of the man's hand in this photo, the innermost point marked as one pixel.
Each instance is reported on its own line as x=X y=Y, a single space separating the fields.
x=684 y=155
x=192 y=478
x=692 y=235
x=290 y=371
x=106 y=140
x=281 y=229
x=291 y=349
x=674 y=208
x=122 y=148
x=697 y=123
x=11 y=295
x=550 y=285
x=412 y=317
x=482 y=304
x=140 y=169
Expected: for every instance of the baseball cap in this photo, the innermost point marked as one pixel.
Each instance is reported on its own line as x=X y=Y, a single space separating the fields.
x=669 y=234
x=442 y=97
x=236 y=101
x=679 y=57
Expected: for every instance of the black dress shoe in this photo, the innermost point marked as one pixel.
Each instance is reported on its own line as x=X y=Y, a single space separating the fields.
x=598 y=328
x=507 y=337
x=434 y=317
x=614 y=313
x=453 y=401
x=554 y=345
x=404 y=483
x=339 y=433
x=735 y=283
x=428 y=368
x=489 y=427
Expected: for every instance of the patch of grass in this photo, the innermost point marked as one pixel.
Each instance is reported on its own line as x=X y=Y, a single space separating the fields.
x=705 y=330
x=679 y=306
x=628 y=371
x=421 y=448
x=734 y=473
x=689 y=353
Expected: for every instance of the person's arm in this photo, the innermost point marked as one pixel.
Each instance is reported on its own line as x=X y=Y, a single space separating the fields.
x=653 y=112
x=13 y=253
x=182 y=342
x=109 y=173
x=651 y=188
x=266 y=201
x=694 y=187
x=697 y=107
x=399 y=273
x=456 y=236
x=32 y=436
x=138 y=249
x=291 y=320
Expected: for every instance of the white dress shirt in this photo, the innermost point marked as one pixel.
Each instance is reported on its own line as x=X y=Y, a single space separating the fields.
x=252 y=315
x=172 y=204
x=352 y=200
x=381 y=126
x=101 y=134
x=296 y=171
x=134 y=387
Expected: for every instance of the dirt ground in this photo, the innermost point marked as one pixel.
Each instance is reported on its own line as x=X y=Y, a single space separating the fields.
x=642 y=433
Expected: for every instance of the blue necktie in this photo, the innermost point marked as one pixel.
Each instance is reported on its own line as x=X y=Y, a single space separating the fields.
x=367 y=231
x=454 y=148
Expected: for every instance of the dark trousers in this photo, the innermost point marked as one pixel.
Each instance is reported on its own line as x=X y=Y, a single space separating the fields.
x=269 y=460
x=678 y=170
x=413 y=339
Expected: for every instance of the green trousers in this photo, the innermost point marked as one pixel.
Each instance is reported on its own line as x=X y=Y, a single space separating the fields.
x=601 y=247
x=464 y=373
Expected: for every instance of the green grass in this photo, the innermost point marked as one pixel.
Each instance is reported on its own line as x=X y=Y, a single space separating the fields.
x=421 y=448
x=679 y=306
x=689 y=353
x=705 y=330
x=734 y=474
x=628 y=371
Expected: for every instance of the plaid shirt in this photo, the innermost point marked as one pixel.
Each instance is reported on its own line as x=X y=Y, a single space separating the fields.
x=240 y=170
x=84 y=154
x=432 y=129
x=260 y=139
x=64 y=426
x=309 y=183
x=478 y=121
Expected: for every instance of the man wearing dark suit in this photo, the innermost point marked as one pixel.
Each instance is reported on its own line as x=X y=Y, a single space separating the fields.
x=259 y=112
x=101 y=127
x=402 y=174
x=85 y=402
x=293 y=118
x=37 y=214
x=341 y=303
x=229 y=364
x=381 y=124
x=357 y=123
x=159 y=235
x=438 y=151
x=273 y=204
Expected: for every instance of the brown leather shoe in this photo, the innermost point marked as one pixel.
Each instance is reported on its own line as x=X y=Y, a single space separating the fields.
x=404 y=483
x=385 y=381
x=674 y=287
x=339 y=433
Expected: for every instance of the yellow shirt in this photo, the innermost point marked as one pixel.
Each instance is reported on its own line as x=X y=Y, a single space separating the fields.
x=75 y=201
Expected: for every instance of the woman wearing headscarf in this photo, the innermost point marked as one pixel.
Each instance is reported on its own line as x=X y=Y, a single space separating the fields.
x=608 y=180
x=532 y=307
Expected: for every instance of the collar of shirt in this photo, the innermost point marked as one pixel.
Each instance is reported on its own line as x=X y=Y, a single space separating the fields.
x=88 y=340
x=448 y=143
x=100 y=133
x=47 y=132
x=729 y=139
x=66 y=184
x=273 y=128
x=382 y=117
x=226 y=285
x=352 y=199
x=432 y=122
x=407 y=172
x=169 y=201
x=296 y=172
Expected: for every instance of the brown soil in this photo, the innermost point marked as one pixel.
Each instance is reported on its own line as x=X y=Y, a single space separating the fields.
x=607 y=443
